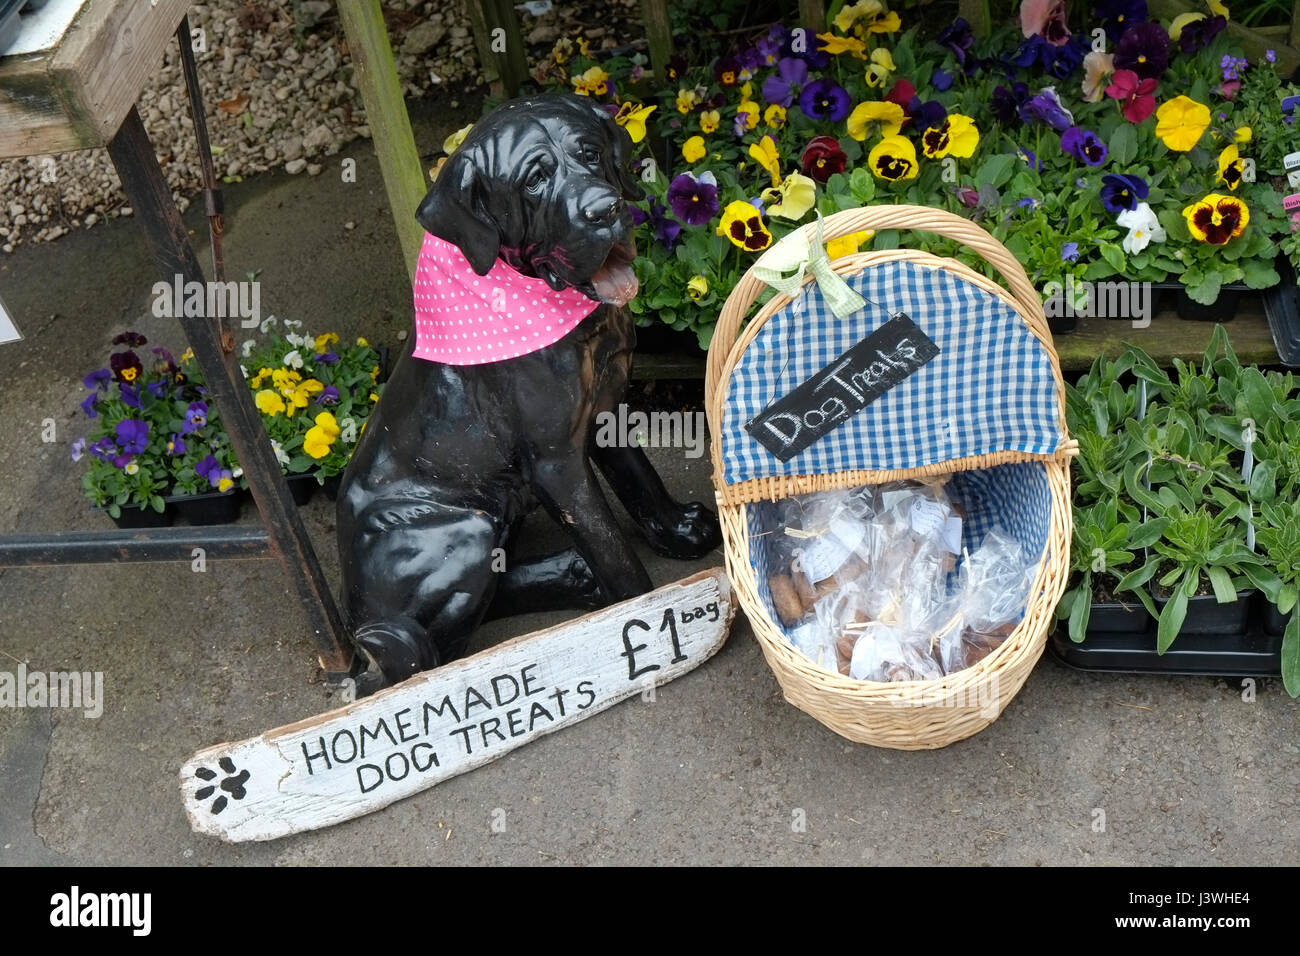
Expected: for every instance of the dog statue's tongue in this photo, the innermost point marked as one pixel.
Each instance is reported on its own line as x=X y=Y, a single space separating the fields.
x=616 y=282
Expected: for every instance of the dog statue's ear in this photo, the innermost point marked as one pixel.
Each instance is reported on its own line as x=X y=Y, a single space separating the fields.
x=616 y=160
x=452 y=211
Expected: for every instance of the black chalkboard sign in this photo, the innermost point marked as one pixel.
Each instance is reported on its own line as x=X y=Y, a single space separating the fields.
x=843 y=388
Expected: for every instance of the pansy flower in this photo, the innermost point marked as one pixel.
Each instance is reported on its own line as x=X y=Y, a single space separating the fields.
x=697 y=287
x=321 y=436
x=765 y=153
x=825 y=99
x=746 y=118
x=132 y=436
x=327 y=358
x=196 y=416
x=835 y=45
x=666 y=229
x=674 y=69
x=1083 y=144
x=1059 y=61
x=960 y=41
x=211 y=471
x=880 y=67
x=593 y=82
x=693 y=199
x=269 y=402
x=88 y=405
x=1136 y=95
x=176 y=445
x=774 y=116
x=693 y=150
x=1096 y=68
x=1046 y=19
x=98 y=379
x=130 y=395
x=687 y=100
x=1217 y=218
x=783 y=85
x=867 y=16
x=1144 y=49
x=847 y=245
x=1046 y=107
x=328 y=396
x=1122 y=192
x=1143 y=228
x=792 y=199
x=958 y=136
x=1070 y=252
x=78 y=449
x=125 y=365
x=631 y=116
x=742 y=223
x=941 y=80
x=1230 y=167
x=1180 y=123
x=822 y=157
x=872 y=116
x=727 y=71
x=709 y=121
x=1197 y=33
x=104 y=449
x=769 y=48
x=1116 y=16
x=893 y=159
x=902 y=93
x=130 y=339
x=927 y=115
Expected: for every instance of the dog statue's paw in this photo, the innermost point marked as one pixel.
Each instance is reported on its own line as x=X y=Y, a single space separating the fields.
x=397 y=648
x=689 y=533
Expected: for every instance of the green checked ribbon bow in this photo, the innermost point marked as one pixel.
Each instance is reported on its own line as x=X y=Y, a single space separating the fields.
x=794 y=253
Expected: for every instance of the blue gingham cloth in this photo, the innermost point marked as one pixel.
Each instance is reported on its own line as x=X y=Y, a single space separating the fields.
x=989 y=389
x=1016 y=497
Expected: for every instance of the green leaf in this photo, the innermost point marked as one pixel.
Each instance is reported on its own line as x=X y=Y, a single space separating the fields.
x=1263 y=481
x=1206 y=291
x=1291 y=656
x=1260 y=274
x=1171 y=620
x=1148 y=533
x=1114 y=255
x=1224 y=592
x=1123 y=144
x=1080 y=614
x=995 y=171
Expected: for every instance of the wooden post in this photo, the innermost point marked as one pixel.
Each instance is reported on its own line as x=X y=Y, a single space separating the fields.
x=390 y=126
x=812 y=15
x=659 y=34
x=1295 y=24
x=500 y=45
x=976 y=13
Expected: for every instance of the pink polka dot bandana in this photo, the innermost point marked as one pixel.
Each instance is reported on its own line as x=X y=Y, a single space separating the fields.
x=462 y=318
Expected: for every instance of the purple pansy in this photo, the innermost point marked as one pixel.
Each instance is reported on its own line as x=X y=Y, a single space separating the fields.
x=1070 y=252
x=1144 y=49
x=769 y=48
x=928 y=115
x=1031 y=159
x=130 y=396
x=88 y=405
x=196 y=416
x=1059 y=61
x=103 y=449
x=327 y=358
x=811 y=53
x=666 y=229
x=176 y=445
x=1197 y=35
x=129 y=338
x=1116 y=16
x=825 y=99
x=782 y=86
x=694 y=201
x=1046 y=107
x=98 y=379
x=78 y=449
x=941 y=80
x=959 y=39
x=1084 y=144
x=157 y=389
x=212 y=471
x=1122 y=193
x=328 y=396
x=1007 y=102
x=132 y=436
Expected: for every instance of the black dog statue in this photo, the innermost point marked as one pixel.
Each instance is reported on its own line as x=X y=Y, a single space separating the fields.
x=521 y=341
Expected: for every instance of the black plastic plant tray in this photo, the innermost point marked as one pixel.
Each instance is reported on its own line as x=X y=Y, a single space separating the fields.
x=1282 y=307
x=1253 y=654
x=10 y=25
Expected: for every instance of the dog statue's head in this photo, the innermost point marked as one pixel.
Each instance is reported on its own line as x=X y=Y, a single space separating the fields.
x=542 y=183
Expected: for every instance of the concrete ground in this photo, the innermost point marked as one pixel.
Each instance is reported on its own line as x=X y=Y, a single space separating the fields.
x=1183 y=770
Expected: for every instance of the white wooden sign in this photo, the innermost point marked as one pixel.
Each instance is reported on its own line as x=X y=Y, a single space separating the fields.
x=441 y=723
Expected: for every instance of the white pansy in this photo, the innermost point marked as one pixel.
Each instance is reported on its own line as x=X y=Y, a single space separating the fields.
x=280 y=454
x=131 y=468
x=293 y=359
x=1143 y=228
x=249 y=345
x=267 y=324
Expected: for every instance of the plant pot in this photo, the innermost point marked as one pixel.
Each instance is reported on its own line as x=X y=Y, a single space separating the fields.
x=1275 y=621
x=1282 y=308
x=1207 y=616
x=301 y=487
x=1112 y=617
x=660 y=339
x=213 y=507
x=1173 y=296
x=1063 y=324
x=134 y=516
x=331 y=487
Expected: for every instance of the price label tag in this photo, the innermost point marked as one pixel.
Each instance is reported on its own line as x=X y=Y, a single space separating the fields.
x=8 y=328
x=1291 y=203
x=1291 y=161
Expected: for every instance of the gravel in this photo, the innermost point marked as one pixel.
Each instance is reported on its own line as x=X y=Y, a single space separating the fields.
x=277 y=85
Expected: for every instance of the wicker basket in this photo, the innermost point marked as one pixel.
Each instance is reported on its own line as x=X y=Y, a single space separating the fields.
x=989 y=410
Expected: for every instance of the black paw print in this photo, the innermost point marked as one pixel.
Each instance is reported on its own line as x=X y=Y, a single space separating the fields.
x=233 y=785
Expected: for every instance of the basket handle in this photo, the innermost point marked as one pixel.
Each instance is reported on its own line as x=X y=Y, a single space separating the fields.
x=913 y=218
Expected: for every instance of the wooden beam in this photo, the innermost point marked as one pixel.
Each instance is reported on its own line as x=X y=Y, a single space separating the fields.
x=1166 y=338
x=658 y=31
x=1295 y=24
x=500 y=45
x=390 y=126
x=812 y=15
x=976 y=13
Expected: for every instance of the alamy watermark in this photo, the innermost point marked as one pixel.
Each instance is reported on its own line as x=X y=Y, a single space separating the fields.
x=70 y=690
x=624 y=429
x=225 y=300
x=1103 y=300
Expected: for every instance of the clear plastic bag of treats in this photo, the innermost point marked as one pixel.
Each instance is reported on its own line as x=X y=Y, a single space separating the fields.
x=988 y=603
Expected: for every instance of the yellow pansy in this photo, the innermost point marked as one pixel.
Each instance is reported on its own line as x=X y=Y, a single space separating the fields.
x=749 y=110
x=1217 y=218
x=452 y=142
x=594 y=82
x=742 y=224
x=958 y=136
x=764 y=151
x=321 y=436
x=709 y=120
x=693 y=149
x=374 y=374
x=262 y=375
x=893 y=159
x=1230 y=167
x=362 y=341
x=880 y=67
x=298 y=396
x=687 y=100
x=774 y=116
x=836 y=45
x=792 y=199
x=697 y=288
x=1179 y=22
x=847 y=245
x=1244 y=134
x=1180 y=123
x=187 y=355
x=887 y=116
x=285 y=378
x=322 y=341
x=225 y=484
x=632 y=117
x=269 y=402
x=1218 y=8
x=850 y=13
x=374 y=397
